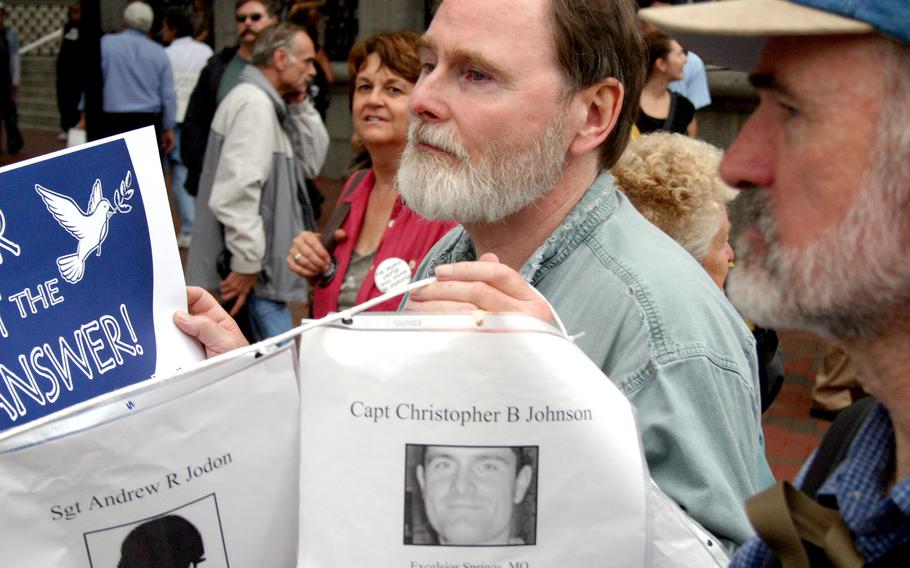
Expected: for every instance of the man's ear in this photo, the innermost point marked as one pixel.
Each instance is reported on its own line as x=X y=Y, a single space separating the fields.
x=600 y=106
x=279 y=59
x=522 y=482
x=420 y=479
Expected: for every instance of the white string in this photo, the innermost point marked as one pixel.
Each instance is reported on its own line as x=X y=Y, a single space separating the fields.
x=267 y=344
x=263 y=347
x=350 y=312
x=271 y=342
x=559 y=325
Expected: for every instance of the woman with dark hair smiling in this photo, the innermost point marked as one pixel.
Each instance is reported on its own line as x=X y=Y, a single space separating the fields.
x=380 y=239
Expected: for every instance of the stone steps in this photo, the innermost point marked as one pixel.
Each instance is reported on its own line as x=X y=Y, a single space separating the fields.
x=37 y=97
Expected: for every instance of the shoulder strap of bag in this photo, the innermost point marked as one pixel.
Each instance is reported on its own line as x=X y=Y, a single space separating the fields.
x=834 y=446
x=671 y=113
x=327 y=238
x=796 y=528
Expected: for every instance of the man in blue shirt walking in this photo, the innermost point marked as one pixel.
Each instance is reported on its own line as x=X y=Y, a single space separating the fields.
x=138 y=82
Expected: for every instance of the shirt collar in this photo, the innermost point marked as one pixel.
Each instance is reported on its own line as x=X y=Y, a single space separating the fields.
x=251 y=74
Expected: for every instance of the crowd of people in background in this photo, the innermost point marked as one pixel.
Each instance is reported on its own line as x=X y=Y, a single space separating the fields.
x=10 y=73
x=494 y=159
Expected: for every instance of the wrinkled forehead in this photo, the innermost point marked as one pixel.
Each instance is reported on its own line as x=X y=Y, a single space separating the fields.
x=505 y=32
x=832 y=70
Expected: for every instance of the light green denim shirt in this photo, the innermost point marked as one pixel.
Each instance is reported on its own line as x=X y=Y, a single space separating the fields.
x=663 y=332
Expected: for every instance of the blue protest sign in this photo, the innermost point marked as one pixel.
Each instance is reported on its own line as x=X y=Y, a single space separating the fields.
x=78 y=277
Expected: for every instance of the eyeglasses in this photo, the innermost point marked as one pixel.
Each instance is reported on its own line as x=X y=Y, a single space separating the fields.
x=244 y=17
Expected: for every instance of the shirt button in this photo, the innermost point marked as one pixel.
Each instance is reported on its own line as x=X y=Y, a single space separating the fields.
x=412 y=264
x=391 y=223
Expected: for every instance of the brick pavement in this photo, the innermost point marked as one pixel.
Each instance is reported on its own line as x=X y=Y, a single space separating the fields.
x=791 y=434
x=37 y=143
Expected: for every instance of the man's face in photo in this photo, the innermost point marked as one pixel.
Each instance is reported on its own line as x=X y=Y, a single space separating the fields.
x=470 y=493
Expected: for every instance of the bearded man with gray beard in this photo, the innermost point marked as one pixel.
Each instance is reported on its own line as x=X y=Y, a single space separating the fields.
x=521 y=107
x=821 y=244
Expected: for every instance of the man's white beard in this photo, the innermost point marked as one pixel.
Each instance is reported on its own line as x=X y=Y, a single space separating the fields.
x=499 y=181
x=853 y=280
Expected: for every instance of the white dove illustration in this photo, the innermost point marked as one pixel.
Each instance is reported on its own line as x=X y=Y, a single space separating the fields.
x=89 y=227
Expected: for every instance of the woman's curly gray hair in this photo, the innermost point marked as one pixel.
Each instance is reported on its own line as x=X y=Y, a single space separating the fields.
x=673 y=181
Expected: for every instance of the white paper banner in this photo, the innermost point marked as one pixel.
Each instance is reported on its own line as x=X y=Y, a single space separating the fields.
x=443 y=442
x=202 y=466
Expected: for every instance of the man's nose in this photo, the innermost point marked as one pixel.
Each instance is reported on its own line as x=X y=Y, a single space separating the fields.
x=426 y=98
x=748 y=163
x=463 y=482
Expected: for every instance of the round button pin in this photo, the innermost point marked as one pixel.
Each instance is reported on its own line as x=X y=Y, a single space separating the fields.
x=391 y=273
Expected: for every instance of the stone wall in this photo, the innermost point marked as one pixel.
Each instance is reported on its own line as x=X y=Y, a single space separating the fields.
x=733 y=99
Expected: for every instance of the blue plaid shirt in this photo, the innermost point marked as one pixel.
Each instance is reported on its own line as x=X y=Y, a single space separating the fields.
x=879 y=520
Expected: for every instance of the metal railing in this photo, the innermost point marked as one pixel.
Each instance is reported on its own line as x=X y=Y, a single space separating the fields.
x=41 y=41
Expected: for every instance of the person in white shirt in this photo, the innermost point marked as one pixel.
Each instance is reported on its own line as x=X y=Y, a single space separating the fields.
x=187 y=57
x=694 y=84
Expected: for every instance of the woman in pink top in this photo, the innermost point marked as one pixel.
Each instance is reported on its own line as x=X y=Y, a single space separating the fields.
x=379 y=226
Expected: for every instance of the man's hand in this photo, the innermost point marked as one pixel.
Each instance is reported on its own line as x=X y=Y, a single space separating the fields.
x=307 y=257
x=237 y=287
x=209 y=323
x=168 y=141
x=482 y=285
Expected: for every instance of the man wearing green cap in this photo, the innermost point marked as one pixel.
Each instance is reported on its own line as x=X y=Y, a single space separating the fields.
x=824 y=165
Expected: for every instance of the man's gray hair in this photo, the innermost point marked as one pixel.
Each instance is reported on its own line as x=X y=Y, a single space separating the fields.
x=271 y=39
x=138 y=16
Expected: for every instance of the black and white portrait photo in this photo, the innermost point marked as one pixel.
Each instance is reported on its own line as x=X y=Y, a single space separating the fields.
x=470 y=495
x=189 y=536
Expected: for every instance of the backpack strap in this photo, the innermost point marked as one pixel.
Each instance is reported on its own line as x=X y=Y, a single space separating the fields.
x=327 y=238
x=834 y=446
x=799 y=530
x=671 y=113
